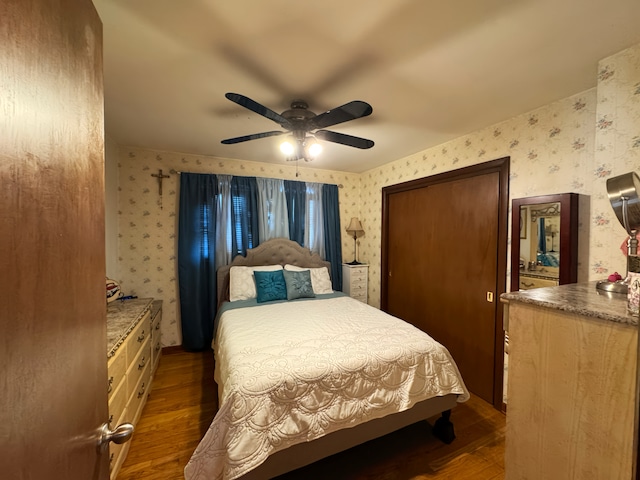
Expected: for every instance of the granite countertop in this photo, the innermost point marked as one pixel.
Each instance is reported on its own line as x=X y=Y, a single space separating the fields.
x=122 y=317
x=579 y=298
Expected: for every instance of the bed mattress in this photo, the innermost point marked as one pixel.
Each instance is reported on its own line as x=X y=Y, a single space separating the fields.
x=291 y=372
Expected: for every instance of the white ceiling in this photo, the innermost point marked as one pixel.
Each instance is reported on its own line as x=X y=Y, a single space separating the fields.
x=432 y=70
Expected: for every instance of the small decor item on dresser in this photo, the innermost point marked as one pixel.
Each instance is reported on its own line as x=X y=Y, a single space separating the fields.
x=113 y=290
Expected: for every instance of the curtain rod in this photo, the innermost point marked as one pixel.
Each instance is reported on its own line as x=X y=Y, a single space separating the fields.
x=178 y=172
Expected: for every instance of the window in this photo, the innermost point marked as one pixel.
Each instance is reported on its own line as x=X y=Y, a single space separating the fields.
x=312 y=215
x=314 y=227
x=240 y=212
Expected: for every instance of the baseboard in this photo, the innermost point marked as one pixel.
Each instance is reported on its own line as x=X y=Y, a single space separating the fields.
x=176 y=349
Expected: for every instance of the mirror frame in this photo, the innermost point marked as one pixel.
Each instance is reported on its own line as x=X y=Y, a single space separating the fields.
x=568 y=271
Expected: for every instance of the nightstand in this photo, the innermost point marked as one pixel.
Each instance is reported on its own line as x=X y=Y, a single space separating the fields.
x=354 y=281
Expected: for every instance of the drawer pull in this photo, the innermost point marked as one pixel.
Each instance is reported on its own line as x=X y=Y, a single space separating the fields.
x=110 y=387
x=527 y=285
x=157 y=326
x=110 y=419
x=141 y=392
x=111 y=458
x=158 y=347
x=141 y=337
x=142 y=363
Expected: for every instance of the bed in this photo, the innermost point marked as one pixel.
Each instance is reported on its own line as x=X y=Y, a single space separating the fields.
x=312 y=374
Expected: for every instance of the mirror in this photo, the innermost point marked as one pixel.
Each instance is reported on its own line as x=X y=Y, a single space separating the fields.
x=544 y=241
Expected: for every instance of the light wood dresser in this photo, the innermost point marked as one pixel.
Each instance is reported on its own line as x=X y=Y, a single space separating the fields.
x=354 y=281
x=133 y=353
x=571 y=384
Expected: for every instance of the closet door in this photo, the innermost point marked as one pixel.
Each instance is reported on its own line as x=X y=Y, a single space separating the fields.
x=444 y=271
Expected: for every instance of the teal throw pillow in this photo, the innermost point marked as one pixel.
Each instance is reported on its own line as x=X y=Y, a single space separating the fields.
x=298 y=284
x=270 y=286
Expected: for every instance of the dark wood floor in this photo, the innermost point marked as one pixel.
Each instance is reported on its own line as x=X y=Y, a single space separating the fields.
x=183 y=403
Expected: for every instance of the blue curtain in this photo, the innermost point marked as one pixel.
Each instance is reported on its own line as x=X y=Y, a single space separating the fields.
x=245 y=214
x=196 y=259
x=296 y=193
x=542 y=239
x=201 y=195
x=332 y=240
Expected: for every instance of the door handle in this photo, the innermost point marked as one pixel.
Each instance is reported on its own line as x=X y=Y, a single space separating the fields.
x=121 y=434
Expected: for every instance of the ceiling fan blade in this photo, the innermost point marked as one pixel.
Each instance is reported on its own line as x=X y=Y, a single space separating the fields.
x=254 y=106
x=254 y=136
x=344 y=113
x=344 y=139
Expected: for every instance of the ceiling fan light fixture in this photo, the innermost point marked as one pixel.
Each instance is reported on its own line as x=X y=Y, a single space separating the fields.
x=313 y=148
x=287 y=147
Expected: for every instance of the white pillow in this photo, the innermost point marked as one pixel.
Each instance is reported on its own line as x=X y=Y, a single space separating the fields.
x=320 y=279
x=242 y=285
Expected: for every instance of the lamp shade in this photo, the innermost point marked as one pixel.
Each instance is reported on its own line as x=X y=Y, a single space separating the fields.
x=355 y=227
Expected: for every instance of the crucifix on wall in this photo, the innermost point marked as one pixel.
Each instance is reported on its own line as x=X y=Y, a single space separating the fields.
x=160 y=177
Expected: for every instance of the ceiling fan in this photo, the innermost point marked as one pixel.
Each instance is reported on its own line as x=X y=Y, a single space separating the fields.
x=304 y=125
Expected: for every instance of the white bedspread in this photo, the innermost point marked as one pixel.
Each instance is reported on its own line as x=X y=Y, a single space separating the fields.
x=295 y=371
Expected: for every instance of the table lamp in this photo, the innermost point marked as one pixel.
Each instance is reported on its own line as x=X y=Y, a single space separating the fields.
x=355 y=229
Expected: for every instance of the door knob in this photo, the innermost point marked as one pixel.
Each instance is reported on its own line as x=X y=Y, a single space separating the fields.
x=121 y=434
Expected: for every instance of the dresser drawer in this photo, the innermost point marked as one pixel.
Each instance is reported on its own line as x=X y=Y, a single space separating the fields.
x=116 y=368
x=156 y=352
x=138 y=367
x=156 y=339
x=137 y=337
x=155 y=323
x=358 y=274
x=117 y=455
x=139 y=395
x=155 y=329
x=117 y=404
x=117 y=451
x=361 y=297
x=527 y=283
x=156 y=348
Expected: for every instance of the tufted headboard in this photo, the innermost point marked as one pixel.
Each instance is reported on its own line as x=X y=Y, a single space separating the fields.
x=277 y=251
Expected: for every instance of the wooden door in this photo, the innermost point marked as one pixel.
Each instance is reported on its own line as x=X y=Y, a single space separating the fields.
x=53 y=372
x=444 y=258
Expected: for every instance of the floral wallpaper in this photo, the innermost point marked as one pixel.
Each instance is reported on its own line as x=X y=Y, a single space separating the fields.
x=572 y=145
x=617 y=151
x=147 y=222
x=550 y=150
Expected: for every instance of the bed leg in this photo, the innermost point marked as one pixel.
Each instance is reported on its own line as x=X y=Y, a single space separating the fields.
x=443 y=428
